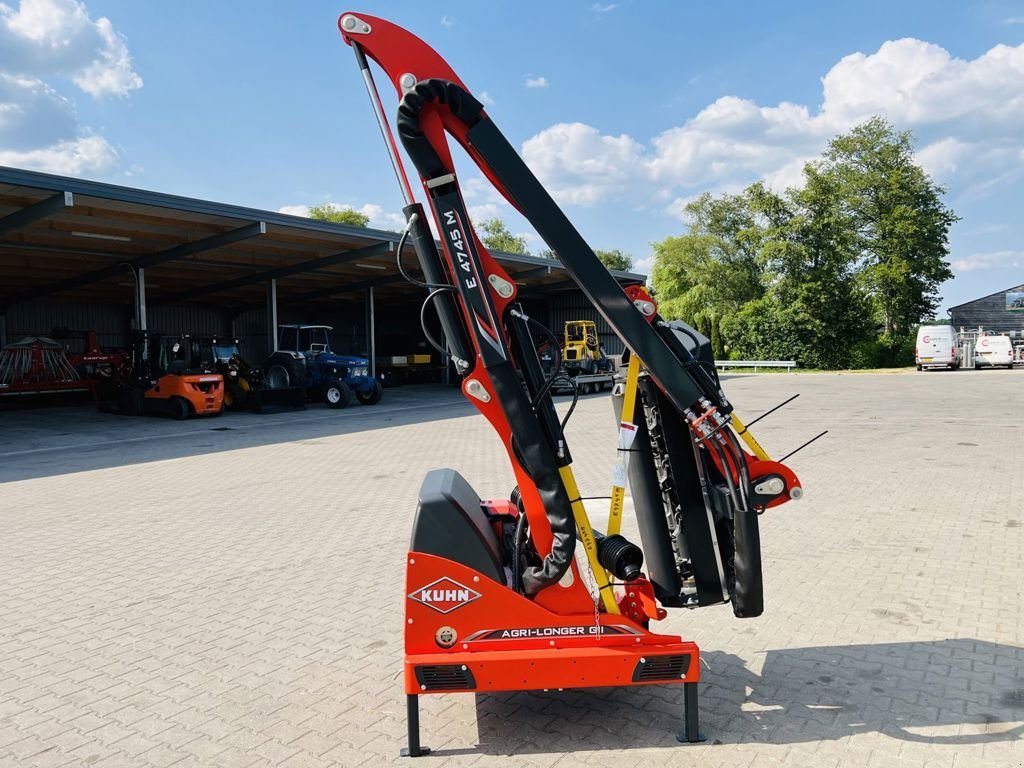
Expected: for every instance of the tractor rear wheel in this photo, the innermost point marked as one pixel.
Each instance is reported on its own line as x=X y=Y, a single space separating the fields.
x=337 y=394
x=281 y=370
x=373 y=396
x=276 y=377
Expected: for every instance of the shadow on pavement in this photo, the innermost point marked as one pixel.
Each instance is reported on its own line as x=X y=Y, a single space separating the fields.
x=53 y=441
x=947 y=692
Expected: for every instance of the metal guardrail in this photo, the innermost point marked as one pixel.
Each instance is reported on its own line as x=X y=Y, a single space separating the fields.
x=755 y=364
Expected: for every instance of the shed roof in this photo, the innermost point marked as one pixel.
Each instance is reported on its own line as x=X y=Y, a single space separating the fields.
x=77 y=240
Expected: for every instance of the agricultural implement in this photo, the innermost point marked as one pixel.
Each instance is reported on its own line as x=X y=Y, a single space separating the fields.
x=495 y=597
x=37 y=365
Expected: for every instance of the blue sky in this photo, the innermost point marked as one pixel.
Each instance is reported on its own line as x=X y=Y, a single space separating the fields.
x=624 y=109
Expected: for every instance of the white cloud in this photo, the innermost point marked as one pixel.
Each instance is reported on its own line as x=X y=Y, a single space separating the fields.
x=294 y=210
x=485 y=98
x=484 y=211
x=919 y=83
x=1013 y=20
x=599 y=8
x=447 y=21
x=39 y=130
x=677 y=208
x=970 y=113
x=789 y=175
x=382 y=219
x=536 y=82
x=32 y=114
x=44 y=39
x=74 y=157
x=579 y=164
x=942 y=158
x=477 y=190
x=990 y=260
x=643 y=266
x=733 y=137
x=56 y=37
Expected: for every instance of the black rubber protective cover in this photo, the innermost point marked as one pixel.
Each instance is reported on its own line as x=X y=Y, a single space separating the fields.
x=451 y=523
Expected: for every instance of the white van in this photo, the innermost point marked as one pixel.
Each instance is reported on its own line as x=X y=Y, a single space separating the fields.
x=993 y=351
x=937 y=347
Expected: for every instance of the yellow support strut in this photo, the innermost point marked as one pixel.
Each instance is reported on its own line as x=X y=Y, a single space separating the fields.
x=586 y=534
x=628 y=407
x=748 y=438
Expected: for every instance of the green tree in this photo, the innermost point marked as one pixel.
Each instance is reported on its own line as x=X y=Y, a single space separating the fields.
x=814 y=274
x=615 y=259
x=715 y=268
x=813 y=263
x=497 y=237
x=339 y=215
x=902 y=225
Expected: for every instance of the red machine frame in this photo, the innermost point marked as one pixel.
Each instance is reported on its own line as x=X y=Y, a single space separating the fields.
x=465 y=630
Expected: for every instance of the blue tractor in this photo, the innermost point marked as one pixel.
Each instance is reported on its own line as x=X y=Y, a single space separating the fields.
x=304 y=358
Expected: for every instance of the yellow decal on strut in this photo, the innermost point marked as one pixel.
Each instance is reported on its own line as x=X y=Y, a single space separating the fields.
x=626 y=433
x=586 y=534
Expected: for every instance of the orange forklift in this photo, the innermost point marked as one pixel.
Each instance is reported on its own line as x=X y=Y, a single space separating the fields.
x=172 y=376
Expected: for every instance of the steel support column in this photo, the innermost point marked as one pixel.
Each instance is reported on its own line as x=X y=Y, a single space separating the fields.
x=140 y=299
x=371 y=331
x=271 y=315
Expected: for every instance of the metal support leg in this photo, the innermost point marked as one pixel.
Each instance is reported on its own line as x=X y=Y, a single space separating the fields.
x=412 y=706
x=371 y=332
x=271 y=316
x=140 y=299
x=691 y=715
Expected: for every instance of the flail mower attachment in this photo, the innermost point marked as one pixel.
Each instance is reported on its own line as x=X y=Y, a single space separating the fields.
x=496 y=599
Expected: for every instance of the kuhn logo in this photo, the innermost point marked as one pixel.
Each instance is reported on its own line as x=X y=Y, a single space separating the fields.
x=444 y=595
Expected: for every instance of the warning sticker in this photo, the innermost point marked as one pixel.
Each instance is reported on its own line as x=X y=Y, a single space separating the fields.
x=627 y=434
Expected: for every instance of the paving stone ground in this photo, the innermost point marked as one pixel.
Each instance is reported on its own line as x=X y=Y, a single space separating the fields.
x=175 y=595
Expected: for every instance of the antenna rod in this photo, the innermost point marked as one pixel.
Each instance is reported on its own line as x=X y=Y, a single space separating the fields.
x=385 y=128
x=769 y=413
x=803 y=446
